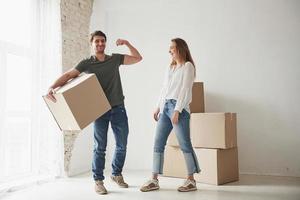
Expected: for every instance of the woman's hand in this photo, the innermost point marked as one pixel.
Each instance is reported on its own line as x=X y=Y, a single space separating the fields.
x=155 y=114
x=175 y=117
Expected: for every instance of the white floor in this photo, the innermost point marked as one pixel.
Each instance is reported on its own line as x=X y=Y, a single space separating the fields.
x=82 y=188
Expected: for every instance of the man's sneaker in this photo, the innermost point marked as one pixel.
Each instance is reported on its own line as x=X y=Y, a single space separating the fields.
x=119 y=180
x=99 y=187
x=189 y=185
x=150 y=185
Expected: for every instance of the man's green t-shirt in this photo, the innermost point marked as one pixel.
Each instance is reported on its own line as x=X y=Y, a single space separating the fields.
x=108 y=75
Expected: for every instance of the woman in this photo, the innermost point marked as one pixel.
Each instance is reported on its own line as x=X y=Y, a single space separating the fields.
x=173 y=112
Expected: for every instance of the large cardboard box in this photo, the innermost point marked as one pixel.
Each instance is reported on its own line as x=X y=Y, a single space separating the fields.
x=197 y=104
x=211 y=130
x=79 y=102
x=218 y=166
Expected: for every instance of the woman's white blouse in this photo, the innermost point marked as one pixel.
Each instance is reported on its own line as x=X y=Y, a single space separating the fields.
x=178 y=84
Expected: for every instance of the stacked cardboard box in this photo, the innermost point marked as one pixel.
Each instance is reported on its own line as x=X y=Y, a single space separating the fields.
x=214 y=139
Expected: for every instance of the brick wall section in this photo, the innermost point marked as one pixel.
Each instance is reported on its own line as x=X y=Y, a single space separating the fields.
x=75 y=19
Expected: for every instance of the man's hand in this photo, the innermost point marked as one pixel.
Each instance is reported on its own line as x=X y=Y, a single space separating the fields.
x=50 y=95
x=155 y=114
x=63 y=79
x=122 y=42
x=134 y=56
x=175 y=117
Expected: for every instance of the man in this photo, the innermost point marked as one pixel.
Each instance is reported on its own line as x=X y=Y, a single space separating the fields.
x=106 y=68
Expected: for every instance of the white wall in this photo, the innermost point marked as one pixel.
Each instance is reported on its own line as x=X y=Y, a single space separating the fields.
x=246 y=52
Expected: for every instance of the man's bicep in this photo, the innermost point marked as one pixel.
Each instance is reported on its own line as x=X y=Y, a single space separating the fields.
x=75 y=72
x=129 y=60
x=72 y=73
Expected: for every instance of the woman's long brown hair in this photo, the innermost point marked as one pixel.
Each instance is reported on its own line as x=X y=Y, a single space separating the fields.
x=183 y=51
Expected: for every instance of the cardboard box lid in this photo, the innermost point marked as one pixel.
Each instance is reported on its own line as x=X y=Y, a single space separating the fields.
x=73 y=82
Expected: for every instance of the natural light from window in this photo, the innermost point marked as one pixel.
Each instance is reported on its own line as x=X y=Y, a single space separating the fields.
x=15 y=17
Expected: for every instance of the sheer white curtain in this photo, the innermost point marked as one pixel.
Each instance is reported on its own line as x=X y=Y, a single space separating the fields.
x=31 y=145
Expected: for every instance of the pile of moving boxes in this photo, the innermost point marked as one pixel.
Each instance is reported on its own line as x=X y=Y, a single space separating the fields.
x=214 y=139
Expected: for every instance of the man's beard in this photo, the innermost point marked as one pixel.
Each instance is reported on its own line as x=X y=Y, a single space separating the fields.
x=101 y=50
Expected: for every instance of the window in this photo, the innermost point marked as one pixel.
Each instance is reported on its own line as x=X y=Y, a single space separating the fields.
x=29 y=145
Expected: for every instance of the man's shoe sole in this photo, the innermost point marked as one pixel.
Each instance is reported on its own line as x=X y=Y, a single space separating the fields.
x=101 y=193
x=188 y=190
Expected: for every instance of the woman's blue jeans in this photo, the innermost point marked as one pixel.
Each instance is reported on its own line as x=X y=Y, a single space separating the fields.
x=182 y=131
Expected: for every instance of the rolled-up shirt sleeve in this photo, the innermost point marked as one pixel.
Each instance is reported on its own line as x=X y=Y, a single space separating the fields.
x=82 y=65
x=119 y=58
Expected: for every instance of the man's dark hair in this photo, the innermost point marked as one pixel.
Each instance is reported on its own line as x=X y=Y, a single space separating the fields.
x=97 y=33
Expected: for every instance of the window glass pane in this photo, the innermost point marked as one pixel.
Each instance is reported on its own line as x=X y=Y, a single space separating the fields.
x=17 y=147
x=15 y=17
x=18 y=83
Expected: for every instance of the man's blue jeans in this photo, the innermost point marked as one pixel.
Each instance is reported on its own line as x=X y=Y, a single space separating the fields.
x=182 y=131
x=119 y=123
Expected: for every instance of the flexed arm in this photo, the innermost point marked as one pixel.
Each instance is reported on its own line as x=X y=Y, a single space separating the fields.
x=134 y=56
